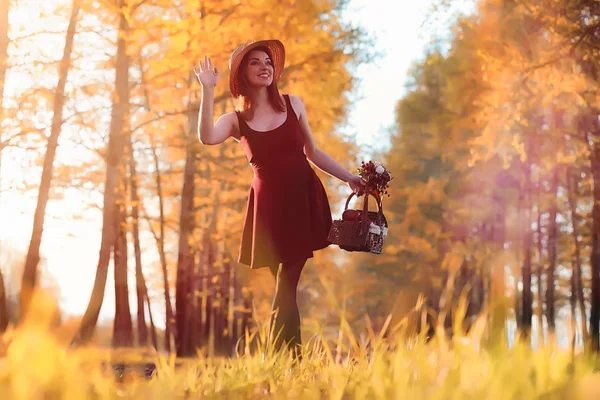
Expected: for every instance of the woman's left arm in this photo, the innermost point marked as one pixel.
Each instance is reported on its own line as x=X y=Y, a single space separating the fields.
x=318 y=157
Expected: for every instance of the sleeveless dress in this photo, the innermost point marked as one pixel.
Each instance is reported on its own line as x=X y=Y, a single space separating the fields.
x=288 y=214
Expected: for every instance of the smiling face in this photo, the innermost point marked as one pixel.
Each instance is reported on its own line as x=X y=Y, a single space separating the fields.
x=259 y=69
x=257 y=72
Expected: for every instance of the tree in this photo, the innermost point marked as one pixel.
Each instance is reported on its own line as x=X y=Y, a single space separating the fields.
x=577 y=282
x=122 y=327
x=140 y=282
x=116 y=143
x=552 y=254
x=4 y=41
x=153 y=103
x=33 y=254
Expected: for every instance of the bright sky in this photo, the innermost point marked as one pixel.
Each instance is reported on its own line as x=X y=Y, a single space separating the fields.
x=401 y=39
x=402 y=31
x=71 y=247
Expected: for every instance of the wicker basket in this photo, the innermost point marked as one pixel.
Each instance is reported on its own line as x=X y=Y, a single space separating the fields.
x=364 y=233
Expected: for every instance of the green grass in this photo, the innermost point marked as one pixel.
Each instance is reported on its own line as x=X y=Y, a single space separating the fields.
x=398 y=365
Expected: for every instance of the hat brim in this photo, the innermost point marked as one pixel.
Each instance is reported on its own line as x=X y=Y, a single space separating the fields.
x=276 y=49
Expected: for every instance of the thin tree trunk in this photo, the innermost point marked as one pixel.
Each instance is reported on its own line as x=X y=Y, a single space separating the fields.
x=572 y=185
x=230 y=307
x=527 y=298
x=185 y=259
x=220 y=311
x=552 y=240
x=238 y=304
x=497 y=298
x=247 y=313
x=164 y=274
x=159 y=238
x=516 y=267
x=3 y=305
x=217 y=302
x=218 y=314
x=116 y=142
x=539 y=310
x=573 y=304
x=208 y=304
x=140 y=282
x=192 y=336
x=595 y=262
x=122 y=327
x=224 y=334
x=152 y=327
x=170 y=320
x=4 y=41
x=33 y=254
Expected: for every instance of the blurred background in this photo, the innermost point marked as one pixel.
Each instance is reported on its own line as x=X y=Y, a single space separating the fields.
x=485 y=112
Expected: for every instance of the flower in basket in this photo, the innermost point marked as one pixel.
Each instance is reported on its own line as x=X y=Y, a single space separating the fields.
x=376 y=177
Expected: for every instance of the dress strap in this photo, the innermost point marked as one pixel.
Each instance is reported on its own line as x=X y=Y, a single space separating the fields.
x=288 y=103
x=241 y=124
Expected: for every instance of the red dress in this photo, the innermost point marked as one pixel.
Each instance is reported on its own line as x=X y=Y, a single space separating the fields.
x=288 y=214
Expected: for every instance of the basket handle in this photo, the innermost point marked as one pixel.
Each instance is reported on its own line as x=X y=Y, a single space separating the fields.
x=365 y=218
x=374 y=194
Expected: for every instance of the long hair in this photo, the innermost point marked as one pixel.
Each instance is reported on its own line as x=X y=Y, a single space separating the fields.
x=243 y=102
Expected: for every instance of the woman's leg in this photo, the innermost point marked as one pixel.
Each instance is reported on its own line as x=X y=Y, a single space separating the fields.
x=287 y=322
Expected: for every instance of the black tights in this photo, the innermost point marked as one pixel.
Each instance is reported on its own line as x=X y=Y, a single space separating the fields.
x=287 y=322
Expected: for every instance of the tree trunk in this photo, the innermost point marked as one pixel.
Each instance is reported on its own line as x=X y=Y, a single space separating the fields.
x=152 y=327
x=3 y=305
x=247 y=313
x=595 y=262
x=552 y=240
x=122 y=327
x=237 y=303
x=193 y=337
x=497 y=298
x=116 y=142
x=185 y=259
x=230 y=308
x=572 y=185
x=527 y=298
x=169 y=323
x=33 y=253
x=539 y=310
x=208 y=305
x=4 y=9
x=224 y=331
x=573 y=304
x=140 y=282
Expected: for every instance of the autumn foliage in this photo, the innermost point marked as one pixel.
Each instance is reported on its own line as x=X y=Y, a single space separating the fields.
x=493 y=210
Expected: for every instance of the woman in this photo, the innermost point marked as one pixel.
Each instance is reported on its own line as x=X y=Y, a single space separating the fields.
x=288 y=215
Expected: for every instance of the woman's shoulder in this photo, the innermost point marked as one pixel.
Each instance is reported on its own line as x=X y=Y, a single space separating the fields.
x=296 y=103
x=293 y=98
x=231 y=119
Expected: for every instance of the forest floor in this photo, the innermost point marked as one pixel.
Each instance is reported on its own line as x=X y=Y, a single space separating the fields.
x=36 y=364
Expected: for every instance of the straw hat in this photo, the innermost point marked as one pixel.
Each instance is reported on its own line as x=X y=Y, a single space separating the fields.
x=278 y=58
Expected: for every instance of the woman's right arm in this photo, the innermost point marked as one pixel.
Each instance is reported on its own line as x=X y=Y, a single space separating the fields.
x=211 y=133
x=208 y=131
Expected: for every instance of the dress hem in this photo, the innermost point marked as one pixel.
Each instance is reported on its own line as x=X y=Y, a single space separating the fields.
x=266 y=265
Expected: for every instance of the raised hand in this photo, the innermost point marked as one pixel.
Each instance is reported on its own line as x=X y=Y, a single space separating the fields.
x=207 y=74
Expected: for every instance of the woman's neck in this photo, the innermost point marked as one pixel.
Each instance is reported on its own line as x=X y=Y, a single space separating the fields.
x=260 y=98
